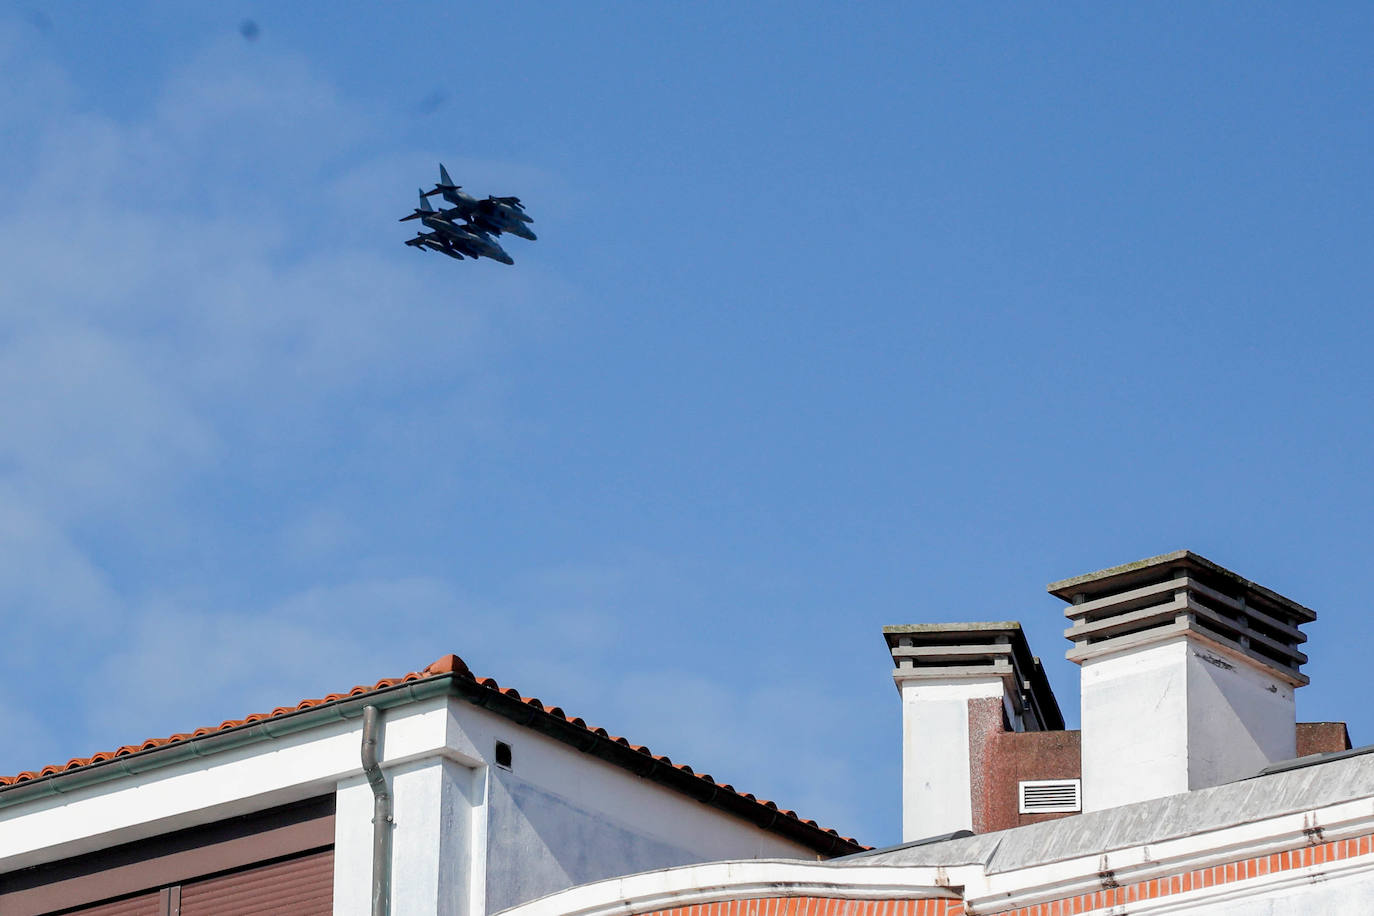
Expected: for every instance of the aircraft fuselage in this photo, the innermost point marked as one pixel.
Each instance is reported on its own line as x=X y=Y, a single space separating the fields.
x=466 y=240
x=493 y=215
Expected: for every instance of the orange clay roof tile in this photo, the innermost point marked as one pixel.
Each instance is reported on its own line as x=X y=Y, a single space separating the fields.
x=449 y=664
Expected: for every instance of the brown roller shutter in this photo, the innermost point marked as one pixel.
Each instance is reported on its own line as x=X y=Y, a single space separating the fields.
x=143 y=905
x=301 y=886
x=131 y=872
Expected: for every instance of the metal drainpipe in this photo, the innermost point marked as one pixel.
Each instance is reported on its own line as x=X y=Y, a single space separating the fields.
x=381 y=815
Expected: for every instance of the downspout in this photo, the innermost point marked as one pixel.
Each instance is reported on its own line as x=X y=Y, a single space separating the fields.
x=381 y=815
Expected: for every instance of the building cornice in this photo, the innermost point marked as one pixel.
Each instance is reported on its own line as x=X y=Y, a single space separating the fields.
x=1290 y=840
x=692 y=885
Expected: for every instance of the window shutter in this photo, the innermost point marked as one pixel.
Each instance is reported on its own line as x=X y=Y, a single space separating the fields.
x=301 y=886
x=150 y=904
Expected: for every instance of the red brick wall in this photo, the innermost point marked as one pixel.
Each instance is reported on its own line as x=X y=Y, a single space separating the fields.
x=819 y=906
x=1120 y=895
x=1000 y=759
x=1322 y=738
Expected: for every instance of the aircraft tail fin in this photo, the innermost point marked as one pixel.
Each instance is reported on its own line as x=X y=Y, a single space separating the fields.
x=424 y=203
x=444 y=180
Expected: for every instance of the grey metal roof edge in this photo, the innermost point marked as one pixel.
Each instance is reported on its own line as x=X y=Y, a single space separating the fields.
x=912 y=844
x=1297 y=763
x=1345 y=777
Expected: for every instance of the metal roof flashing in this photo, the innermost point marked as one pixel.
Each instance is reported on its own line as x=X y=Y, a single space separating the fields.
x=1341 y=777
x=1298 y=763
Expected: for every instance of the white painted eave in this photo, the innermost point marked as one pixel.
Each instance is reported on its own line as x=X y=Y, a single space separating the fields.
x=264 y=729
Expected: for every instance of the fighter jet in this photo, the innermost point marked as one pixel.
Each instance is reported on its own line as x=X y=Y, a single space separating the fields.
x=429 y=241
x=451 y=238
x=495 y=214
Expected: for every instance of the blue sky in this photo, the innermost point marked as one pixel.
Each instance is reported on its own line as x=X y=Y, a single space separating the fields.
x=839 y=316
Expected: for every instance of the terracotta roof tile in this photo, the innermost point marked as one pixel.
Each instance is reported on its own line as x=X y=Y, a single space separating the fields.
x=446 y=665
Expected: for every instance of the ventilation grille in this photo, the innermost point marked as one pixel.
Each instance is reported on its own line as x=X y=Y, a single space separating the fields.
x=1046 y=796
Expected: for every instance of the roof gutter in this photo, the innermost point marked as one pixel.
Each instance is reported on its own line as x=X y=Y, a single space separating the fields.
x=216 y=742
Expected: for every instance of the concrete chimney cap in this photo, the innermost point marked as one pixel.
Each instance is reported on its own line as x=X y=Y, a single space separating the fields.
x=1120 y=578
x=961 y=650
x=932 y=629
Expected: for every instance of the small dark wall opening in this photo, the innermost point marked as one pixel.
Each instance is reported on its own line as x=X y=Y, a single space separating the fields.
x=503 y=755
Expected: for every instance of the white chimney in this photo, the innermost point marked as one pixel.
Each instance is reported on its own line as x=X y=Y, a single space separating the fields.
x=961 y=684
x=1188 y=673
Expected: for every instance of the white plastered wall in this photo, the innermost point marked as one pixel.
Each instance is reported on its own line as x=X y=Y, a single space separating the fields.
x=1242 y=718
x=1177 y=715
x=1135 y=725
x=435 y=844
x=936 y=780
x=565 y=817
x=558 y=817
x=471 y=837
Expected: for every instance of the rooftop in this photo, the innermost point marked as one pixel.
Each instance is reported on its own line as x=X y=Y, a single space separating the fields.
x=449 y=674
x=1306 y=785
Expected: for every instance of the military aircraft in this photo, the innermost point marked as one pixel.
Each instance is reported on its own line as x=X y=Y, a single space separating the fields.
x=455 y=240
x=495 y=214
x=430 y=241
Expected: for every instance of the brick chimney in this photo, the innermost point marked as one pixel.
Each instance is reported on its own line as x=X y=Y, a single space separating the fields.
x=962 y=685
x=1188 y=673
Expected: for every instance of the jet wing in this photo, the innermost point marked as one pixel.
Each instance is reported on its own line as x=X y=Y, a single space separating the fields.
x=510 y=207
x=433 y=242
